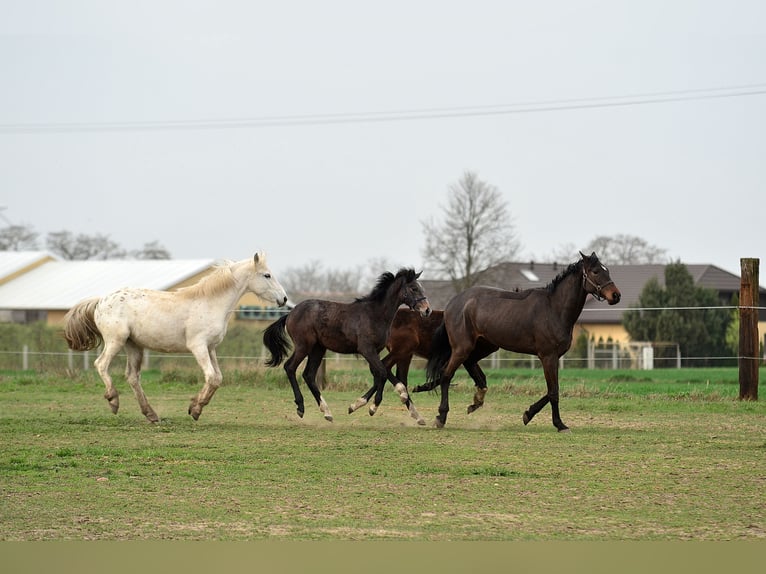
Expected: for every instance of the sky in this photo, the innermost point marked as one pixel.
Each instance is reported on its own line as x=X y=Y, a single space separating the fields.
x=331 y=131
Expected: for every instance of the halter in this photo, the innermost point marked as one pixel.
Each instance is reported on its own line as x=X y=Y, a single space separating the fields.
x=411 y=302
x=588 y=280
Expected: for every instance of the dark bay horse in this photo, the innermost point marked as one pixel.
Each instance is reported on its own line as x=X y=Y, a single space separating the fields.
x=360 y=327
x=411 y=335
x=539 y=322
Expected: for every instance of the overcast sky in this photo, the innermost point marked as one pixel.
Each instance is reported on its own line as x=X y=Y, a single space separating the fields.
x=330 y=130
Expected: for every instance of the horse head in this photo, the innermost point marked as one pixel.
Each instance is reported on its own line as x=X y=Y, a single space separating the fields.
x=263 y=283
x=413 y=294
x=597 y=281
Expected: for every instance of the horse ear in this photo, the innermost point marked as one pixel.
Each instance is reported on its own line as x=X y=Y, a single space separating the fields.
x=256 y=258
x=582 y=254
x=417 y=275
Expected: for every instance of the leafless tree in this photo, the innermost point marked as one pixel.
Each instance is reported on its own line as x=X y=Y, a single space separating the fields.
x=311 y=280
x=82 y=246
x=151 y=250
x=475 y=233
x=18 y=238
x=626 y=250
x=613 y=250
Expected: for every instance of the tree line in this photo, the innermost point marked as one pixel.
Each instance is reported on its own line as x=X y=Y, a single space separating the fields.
x=70 y=246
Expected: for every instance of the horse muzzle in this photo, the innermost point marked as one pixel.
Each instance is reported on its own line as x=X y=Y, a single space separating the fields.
x=423 y=307
x=612 y=296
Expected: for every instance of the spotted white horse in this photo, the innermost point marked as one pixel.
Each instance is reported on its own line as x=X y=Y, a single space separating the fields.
x=192 y=319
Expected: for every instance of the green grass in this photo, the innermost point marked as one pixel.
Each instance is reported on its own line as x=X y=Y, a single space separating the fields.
x=656 y=455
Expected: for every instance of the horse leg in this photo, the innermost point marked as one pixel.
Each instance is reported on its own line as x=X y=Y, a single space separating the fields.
x=380 y=383
x=309 y=375
x=135 y=355
x=551 y=370
x=291 y=367
x=480 y=380
x=365 y=398
x=206 y=359
x=361 y=401
x=530 y=413
x=102 y=362
x=402 y=371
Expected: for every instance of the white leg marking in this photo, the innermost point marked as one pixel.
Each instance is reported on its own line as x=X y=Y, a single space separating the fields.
x=325 y=409
x=360 y=402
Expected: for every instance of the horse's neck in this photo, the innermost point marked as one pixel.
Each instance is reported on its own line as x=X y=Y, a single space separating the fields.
x=569 y=297
x=229 y=297
x=390 y=304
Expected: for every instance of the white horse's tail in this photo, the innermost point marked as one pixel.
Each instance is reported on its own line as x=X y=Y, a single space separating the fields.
x=80 y=329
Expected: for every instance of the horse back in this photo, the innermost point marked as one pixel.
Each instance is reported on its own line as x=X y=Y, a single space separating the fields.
x=158 y=320
x=508 y=319
x=339 y=327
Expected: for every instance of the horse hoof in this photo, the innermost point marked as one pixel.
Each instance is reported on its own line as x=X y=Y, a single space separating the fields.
x=564 y=429
x=526 y=418
x=422 y=422
x=438 y=423
x=360 y=402
x=473 y=408
x=114 y=404
x=152 y=418
x=328 y=418
x=300 y=413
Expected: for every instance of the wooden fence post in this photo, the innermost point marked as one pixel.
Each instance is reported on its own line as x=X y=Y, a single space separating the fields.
x=748 y=330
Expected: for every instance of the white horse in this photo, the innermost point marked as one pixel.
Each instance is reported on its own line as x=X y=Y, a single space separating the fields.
x=190 y=319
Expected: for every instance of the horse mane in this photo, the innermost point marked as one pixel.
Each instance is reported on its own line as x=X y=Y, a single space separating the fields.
x=573 y=267
x=217 y=281
x=385 y=281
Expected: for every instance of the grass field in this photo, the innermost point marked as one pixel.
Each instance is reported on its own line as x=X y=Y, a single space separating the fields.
x=655 y=455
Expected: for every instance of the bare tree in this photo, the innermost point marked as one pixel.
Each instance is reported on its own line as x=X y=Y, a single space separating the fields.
x=626 y=250
x=151 y=250
x=305 y=279
x=613 y=250
x=311 y=280
x=18 y=238
x=476 y=232
x=69 y=246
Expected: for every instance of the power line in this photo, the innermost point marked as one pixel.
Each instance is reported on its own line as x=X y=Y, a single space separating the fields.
x=539 y=106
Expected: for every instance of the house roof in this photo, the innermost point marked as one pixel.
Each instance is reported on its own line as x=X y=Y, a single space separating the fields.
x=13 y=263
x=59 y=285
x=630 y=279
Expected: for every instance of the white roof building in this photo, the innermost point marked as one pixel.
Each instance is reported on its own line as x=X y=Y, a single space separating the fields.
x=55 y=286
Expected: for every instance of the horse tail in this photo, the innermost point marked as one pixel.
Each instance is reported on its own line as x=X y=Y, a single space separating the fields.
x=276 y=341
x=440 y=354
x=80 y=330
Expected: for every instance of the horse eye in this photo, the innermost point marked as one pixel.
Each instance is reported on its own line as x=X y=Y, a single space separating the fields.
x=267 y=275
